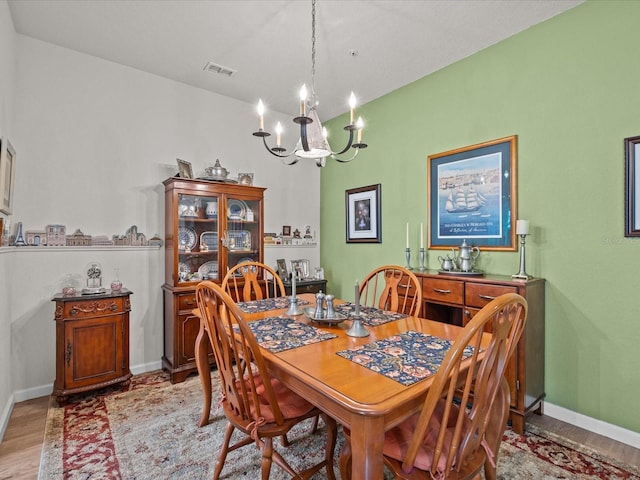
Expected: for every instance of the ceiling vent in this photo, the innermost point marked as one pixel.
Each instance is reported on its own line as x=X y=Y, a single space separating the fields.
x=215 y=68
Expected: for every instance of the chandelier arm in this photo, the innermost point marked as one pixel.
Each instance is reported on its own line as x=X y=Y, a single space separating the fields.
x=275 y=152
x=349 y=143
x=303 y=137
x=345 y=160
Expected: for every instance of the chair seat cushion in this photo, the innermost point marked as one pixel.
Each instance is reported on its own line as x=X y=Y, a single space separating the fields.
x=396 y=441
x=291 y=404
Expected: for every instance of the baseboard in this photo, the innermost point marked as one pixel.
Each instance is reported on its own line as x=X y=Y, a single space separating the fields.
x=593 y=425
x=6 y=414
x=44 y=390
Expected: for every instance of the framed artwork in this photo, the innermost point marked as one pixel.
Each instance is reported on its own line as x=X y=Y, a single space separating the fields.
x=363 y=214
x=282 y=268
x=286 y=230
x=472 y=196
x=7 y=175
x=300 y=268
x=631 y=183
x=184 y=169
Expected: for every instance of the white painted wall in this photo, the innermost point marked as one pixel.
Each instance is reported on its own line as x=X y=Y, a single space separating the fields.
x=94 y=141
x=7 y=85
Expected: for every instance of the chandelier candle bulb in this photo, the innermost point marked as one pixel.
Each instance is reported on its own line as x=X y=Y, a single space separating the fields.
x=278 y=133
x=360 y=126
x=261 y=114
x=352 y=106
x=522 y=227
x=303 y=101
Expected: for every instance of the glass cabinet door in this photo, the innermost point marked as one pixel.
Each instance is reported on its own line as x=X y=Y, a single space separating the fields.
x=198 y=238
x=241 y=237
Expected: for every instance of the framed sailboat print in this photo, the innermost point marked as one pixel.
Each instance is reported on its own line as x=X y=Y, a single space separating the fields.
x=472 y=196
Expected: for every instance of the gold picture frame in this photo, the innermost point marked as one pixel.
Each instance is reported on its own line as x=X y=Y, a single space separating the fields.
x=7 y=175
x=184 y=169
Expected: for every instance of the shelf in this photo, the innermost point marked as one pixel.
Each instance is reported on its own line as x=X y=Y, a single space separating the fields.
x=279 y=245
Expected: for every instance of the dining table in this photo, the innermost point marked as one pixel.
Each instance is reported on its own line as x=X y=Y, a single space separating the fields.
x=330 y=375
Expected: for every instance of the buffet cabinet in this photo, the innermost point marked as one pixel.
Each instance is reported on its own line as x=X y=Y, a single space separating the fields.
x=210 y=226
x=456 y=299
x=92 y=342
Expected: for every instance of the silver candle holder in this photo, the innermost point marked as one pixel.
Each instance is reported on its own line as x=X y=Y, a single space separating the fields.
x=422 y=268
x=522 y=230
x=407 y=254
x=357 y=329
x=294 y=309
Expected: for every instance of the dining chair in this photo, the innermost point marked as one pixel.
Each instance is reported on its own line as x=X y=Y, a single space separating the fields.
x=248 y=281
x=255 y=403
x=392 y=288
x=446 y=440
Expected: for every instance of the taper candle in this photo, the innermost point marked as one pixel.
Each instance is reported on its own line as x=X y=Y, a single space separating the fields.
x=407 y=234
x=522 y=227
x=293 y=285
x=357 y=298
x=421 y=236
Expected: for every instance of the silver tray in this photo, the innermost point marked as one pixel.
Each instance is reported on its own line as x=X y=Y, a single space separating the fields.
x=218 y=179
x=310 y=313
x=473 y=273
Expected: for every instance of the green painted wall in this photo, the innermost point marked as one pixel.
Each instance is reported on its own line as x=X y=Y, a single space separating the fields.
x=568 y=88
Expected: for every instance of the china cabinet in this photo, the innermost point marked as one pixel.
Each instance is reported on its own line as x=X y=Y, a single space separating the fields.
x=456 y=299
x=92 y=342
x=209 y=227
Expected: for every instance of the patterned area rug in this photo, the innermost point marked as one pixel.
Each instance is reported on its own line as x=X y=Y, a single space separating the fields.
x=151 y=433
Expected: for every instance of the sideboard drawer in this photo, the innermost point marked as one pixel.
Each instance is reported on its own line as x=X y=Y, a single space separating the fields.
x=449 y=291
x=479 y=294
x=93 y=307
x=187 y=301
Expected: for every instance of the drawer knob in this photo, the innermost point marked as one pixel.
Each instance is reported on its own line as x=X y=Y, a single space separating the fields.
x=189 y=301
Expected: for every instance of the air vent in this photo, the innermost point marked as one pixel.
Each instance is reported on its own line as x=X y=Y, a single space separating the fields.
x=215 y=68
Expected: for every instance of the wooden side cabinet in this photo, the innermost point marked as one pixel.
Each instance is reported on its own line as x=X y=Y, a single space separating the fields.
x=456 y=299
x=307 y=286
x=92 y=342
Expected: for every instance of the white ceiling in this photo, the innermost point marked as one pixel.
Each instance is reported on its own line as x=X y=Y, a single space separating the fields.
x=268 y=42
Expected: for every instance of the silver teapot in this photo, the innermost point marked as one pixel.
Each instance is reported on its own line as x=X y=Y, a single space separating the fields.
x=466 y=259
x=217 y=171
x=446 y=264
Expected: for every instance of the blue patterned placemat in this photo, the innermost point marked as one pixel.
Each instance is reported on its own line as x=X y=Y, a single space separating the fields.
x=264 y=305
x=406 y=358
x=370 y=316
x=283 y=333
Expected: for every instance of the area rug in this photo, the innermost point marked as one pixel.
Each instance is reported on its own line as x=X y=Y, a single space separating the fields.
x=150 y=433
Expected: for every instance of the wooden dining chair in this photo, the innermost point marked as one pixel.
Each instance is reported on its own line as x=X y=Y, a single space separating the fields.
x=446 y=440
x=255 y=403
x=248 y=281
x=392 y=288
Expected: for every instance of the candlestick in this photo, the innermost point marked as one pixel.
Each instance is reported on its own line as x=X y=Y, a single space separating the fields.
x=522 y=273
x=356 y=329
x=294 y=309
x=407 y=254
x=422 y=267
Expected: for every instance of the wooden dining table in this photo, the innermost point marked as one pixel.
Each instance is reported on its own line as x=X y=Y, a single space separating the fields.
x=365 y=401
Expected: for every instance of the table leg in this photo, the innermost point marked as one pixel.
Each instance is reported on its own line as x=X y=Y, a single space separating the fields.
x=204 y=372
x=367 y=438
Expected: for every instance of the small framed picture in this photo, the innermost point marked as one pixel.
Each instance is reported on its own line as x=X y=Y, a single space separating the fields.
x=632 y=180
x=286 y=230
x=363 y=214
x=184 y=169
x=282 y=268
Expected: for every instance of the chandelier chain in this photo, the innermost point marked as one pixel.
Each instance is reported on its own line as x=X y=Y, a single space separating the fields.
x=313 y=50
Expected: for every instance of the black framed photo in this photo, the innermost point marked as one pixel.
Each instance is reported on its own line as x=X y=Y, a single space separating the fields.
x=282 y=269
x=363 y=214
x=631 y=182
x=184 y=169
x=472 y=196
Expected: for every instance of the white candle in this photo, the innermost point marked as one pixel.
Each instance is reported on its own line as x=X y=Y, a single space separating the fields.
x=293 y=285
x=261 y=114
x=357 y=298
x=407 y=234
x=421 y=236
x=522 y=227
x=303 y=101
x=352 y=106
x=278 y=134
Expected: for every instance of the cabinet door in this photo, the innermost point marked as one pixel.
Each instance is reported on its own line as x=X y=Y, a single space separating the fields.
x=198 y=238
x=93 y=350
x=189 y=326
x=242 y=236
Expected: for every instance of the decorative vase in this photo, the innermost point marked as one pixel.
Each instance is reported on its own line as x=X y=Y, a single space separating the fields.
x=212 y=209
x=116 y=285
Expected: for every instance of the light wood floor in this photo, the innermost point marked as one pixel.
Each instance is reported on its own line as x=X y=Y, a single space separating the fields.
x=21 y=446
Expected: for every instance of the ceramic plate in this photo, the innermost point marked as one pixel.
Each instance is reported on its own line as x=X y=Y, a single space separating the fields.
x=210 y=239
x=241 y=239
x=236 y=209
x=187 y=237
x=208 y=268
x=184 y=268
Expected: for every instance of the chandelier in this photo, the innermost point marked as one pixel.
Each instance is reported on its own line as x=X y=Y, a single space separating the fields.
x=313 y=143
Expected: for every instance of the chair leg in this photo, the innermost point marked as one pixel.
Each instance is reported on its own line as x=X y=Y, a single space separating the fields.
x=267 y=455
x=345 y=456
x=314 y=426
x=222 y=456
x=332 y=434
